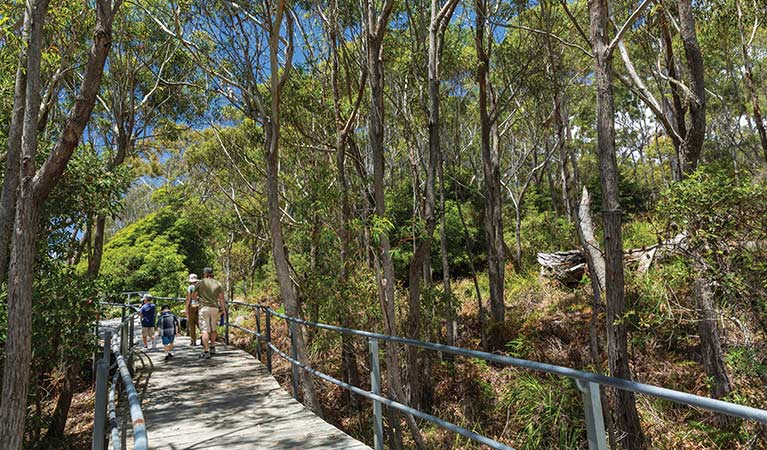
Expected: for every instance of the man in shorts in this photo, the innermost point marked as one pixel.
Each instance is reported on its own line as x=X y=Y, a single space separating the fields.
x=147 y=314
x=210 y=294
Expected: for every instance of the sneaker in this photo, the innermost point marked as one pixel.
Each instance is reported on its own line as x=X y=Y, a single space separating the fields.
x=204 y=355
x=171 y=354
x=212 y=350
x=167 y=357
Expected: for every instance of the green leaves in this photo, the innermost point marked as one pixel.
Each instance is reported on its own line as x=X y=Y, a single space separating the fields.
x=156 y=253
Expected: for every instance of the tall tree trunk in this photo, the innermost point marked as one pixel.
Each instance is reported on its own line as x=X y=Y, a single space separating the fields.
x=751 y=89
x=18 y=354
x=421 y=256
x=447 y=292
x=34 y=189
x=376 y=25
x=271 y=126
x=348 y=354
x=13 y=157
x=625 y=402
x=696 y=130
x=496 y=258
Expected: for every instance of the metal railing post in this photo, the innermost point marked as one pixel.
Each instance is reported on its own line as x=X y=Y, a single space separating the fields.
x=226 y=323
x=107 y=346
x=96 y=333
x=258 y=336
x=592 y=408
x=124 y=338
x=268 y=340
x=132 y=331
x=294 y=355
x=99 y=423
x=375 y=388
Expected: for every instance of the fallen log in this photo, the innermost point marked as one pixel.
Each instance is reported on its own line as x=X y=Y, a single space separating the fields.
x=568 y=267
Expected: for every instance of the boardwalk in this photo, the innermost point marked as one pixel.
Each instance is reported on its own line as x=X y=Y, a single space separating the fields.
x=227 y=402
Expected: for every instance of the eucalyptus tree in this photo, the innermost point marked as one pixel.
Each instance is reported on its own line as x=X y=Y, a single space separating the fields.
x=34 y=187
x=680 y=104
x=603 y=47
x=340 y=50
x=440 y=16
x=376 y=23
x=145 y=89
x=746 y=42
x=246 y=50
x=484 y=38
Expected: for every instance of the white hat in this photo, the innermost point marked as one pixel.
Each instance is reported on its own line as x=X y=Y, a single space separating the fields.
x=193 y=278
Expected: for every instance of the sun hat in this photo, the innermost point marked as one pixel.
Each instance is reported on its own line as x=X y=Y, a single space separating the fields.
x=193 y=278
x=208 y=270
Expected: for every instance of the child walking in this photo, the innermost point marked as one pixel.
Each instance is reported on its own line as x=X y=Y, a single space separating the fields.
x=167 y=324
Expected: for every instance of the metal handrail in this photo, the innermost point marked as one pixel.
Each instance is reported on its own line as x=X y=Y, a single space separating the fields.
x=140 y=438
x=587 y=382
x=123 y=352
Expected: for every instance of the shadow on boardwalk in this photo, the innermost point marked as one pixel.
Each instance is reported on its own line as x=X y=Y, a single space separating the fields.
x=227 y=402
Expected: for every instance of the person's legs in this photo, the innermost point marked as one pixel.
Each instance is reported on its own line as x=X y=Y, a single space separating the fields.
x=205 y=327
x=194 y=313
x=213 y=320
x=145 y=333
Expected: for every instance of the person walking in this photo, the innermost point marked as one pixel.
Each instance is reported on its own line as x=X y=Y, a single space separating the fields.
x=147 y=314
x=167 y=325
x=192 y=307
x=211 y=298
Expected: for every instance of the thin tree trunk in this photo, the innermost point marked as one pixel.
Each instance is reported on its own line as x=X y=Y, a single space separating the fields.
x=376 y=25
x=271 y=126
x=492 y=178
x=447 y=292
x=59 y=417
x=422 y=254
x=480 y=305
x=625 y=402
x=710 y=344
x=349 y=363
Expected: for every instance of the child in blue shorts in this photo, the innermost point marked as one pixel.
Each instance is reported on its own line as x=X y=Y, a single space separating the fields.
x=167 y=325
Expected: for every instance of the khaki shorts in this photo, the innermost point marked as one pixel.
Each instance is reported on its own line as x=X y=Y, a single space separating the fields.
x=208 y=319
x=147 y=332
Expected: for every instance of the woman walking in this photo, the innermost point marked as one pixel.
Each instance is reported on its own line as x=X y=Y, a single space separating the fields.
x=192 y=307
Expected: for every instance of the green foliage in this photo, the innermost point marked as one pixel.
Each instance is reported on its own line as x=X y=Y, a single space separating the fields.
x=723 y=213
x=634 y=195
x=64 y=309
x=542 y=229
x=156 y=253
x=547 y=409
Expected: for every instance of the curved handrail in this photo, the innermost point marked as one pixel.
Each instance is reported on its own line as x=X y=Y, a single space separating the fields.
x=589 y=383
x=719 y=406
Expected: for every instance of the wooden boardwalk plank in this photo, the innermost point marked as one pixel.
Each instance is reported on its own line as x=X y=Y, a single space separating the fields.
x=227 y=402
